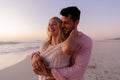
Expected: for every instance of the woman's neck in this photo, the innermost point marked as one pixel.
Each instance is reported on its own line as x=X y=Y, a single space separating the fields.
x=53 y=41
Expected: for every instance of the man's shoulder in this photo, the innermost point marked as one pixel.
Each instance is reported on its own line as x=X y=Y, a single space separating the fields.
x=83 y=38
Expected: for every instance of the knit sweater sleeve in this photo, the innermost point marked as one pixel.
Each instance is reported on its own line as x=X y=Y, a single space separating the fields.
x=76 y=71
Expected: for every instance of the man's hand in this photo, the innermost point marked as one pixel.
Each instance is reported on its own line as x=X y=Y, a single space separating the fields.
x=73 y=33
x=40 y=66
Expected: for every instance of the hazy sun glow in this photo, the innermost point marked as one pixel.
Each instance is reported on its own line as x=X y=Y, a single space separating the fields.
x=10 y=24
x=13 y=26
x=28 y=19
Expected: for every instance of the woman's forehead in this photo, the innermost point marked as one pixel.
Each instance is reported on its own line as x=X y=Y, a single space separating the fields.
x=52 y=21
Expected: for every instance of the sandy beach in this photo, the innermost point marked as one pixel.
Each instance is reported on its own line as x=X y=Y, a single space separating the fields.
x=19 y=71
x=104 y=64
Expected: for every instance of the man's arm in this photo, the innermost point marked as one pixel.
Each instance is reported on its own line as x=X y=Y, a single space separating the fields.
x=77 y=70
x=70 y=44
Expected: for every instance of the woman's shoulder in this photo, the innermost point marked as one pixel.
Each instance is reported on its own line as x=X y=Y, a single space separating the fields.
x=59 y=44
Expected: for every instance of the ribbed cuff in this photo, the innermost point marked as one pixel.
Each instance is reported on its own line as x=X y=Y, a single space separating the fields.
x=57 y=75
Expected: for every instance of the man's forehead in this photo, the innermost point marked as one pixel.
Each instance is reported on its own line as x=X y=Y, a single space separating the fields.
x=66 y=17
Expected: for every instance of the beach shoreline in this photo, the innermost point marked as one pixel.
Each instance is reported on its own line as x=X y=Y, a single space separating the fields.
x=104 y=64
x=19 y=71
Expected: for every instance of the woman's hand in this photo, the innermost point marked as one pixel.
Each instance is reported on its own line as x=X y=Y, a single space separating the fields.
x=35 y=53
x=40 y=65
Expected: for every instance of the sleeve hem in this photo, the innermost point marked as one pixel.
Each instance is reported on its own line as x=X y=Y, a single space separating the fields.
x=57 y=75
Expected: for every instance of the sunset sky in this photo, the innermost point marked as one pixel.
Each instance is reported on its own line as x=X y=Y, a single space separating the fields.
x=28 y=19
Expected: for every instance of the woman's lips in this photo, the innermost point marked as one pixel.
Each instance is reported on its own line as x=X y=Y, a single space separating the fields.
x=51 y=30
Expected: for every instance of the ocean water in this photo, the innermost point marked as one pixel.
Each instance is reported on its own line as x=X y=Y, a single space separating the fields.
x=12 y=52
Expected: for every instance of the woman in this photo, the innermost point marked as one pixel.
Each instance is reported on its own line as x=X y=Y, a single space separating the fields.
x=54 y=50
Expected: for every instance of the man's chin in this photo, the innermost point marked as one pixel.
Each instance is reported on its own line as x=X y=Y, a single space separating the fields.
x=67 y=33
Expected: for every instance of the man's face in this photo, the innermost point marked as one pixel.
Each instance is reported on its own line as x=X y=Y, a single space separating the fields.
x=67 y=24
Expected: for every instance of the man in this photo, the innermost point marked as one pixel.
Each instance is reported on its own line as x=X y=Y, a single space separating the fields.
x=70 y=17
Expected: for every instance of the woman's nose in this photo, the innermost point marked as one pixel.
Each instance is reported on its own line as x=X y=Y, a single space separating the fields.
x=50 y=26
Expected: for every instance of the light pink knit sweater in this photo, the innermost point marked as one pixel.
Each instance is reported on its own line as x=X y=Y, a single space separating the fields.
x=79 y=61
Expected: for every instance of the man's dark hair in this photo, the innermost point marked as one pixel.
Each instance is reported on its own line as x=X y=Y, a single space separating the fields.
x=73 y=11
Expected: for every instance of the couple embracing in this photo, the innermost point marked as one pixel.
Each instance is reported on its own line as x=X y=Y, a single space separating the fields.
x=65 y=54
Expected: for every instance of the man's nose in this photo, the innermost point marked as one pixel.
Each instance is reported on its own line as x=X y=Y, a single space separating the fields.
x=63 y=25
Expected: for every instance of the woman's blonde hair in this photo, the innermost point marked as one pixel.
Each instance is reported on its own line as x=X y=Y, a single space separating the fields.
x=60 y=36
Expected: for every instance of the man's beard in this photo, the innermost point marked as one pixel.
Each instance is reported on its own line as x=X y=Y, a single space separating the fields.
x=68 y=33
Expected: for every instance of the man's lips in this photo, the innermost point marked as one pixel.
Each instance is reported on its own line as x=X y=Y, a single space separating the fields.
x=64 y=29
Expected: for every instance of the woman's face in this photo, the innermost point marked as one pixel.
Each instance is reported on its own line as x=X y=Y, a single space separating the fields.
x=53 y=29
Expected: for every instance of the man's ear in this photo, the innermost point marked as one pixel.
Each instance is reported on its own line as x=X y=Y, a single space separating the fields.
x=76 y=22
